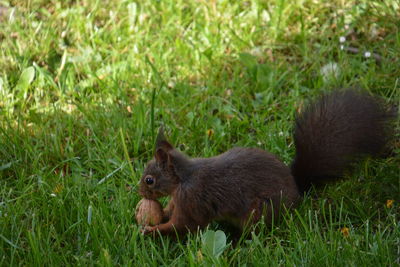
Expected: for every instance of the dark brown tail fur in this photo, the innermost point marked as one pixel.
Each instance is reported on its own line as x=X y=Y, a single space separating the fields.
x=335 y=132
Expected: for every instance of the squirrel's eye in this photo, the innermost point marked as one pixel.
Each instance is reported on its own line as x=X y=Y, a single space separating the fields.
x=149 y=180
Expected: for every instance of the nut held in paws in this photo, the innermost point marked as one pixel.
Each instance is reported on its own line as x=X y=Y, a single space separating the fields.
x=149 y=212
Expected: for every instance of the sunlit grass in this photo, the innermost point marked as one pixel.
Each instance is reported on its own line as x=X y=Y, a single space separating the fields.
x=101 y=76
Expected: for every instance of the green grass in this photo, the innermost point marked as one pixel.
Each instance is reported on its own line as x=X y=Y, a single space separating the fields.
x=75 y=138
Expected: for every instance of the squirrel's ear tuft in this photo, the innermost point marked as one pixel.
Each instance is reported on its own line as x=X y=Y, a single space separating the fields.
x=161 y=141
x=160 y=135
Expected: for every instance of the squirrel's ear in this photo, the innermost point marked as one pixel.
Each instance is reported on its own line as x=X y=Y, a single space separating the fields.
x=162 y=156
x=162 y=148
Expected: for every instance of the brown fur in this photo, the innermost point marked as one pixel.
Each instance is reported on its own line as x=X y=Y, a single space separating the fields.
x=243 y=184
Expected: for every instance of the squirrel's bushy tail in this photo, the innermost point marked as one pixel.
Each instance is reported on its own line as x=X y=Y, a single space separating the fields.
x=335 y=131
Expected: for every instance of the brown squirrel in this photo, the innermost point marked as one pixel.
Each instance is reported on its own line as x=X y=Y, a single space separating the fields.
x=244 y=184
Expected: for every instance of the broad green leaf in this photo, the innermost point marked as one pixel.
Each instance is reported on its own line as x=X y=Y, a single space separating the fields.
x=213 y=243
x=25 y=80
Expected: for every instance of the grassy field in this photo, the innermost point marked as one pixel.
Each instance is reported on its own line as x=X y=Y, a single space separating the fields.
x=85 y=84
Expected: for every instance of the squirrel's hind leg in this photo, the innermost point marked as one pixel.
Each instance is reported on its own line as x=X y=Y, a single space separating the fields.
x=267 y=208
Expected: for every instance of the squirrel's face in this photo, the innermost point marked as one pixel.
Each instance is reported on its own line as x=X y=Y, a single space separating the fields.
x=159 y=178
x=156 y=181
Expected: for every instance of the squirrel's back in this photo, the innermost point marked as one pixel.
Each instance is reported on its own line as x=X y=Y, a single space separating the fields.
x=335 y=131
x=227 y=185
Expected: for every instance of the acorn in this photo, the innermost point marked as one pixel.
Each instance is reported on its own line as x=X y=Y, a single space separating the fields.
x=149 y=212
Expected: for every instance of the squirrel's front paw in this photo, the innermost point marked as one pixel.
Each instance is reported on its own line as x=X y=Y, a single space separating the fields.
x=148 y=230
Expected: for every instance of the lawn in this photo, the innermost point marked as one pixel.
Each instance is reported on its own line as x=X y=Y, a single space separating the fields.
x=85 y=84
